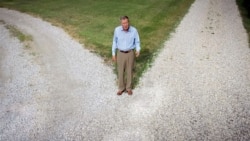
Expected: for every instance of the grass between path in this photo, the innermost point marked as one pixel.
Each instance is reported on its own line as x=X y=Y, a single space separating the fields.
x=244 y=6
x=26 y=39
x=17 y=33
x=92 y=22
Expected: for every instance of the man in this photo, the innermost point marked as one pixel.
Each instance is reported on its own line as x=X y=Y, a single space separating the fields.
x=125 y=41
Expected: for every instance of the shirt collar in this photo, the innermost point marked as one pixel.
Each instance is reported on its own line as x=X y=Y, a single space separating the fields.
x=129 y=29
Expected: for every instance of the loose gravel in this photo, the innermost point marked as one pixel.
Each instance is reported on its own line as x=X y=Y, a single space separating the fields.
x=198 y=87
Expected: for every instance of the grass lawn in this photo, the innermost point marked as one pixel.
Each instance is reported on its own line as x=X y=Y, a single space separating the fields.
x=245 y=13
x=92 y=22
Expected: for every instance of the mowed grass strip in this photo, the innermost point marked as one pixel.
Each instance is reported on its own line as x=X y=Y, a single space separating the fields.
x=92 y=22
x=17 y=33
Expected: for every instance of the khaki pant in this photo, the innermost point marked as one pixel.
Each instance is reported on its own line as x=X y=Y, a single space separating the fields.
x=125 y=63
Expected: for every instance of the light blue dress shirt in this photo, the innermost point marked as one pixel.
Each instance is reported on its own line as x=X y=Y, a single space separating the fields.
x=125 y=40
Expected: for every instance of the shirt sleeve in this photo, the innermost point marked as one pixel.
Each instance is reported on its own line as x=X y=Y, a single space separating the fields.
x=137 y=42
x=114 y=45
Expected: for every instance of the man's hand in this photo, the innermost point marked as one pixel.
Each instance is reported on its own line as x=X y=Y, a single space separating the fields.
x=137 y=53
x=114 y=58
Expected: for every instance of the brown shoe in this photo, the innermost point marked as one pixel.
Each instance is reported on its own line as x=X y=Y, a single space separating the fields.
x=129 y=92
x=120 y=92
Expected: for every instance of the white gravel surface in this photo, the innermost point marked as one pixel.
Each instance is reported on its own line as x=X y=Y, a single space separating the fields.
x=198 y=88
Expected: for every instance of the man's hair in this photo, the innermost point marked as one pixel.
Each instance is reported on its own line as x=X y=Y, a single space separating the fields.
x=124 y=18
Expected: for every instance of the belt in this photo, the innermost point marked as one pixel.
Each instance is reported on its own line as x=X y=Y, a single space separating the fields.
x=125 y=51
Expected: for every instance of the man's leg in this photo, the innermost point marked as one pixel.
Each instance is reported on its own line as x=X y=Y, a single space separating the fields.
x=120 y=67
x=129 y=69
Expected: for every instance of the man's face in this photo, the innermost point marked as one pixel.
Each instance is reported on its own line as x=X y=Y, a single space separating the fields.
x=125 y=24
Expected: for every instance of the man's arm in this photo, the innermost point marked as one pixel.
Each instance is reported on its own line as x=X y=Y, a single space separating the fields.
x=114 y=46
x=137 y=44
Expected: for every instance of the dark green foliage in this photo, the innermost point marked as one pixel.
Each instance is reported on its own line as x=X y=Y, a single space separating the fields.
x=244 y=7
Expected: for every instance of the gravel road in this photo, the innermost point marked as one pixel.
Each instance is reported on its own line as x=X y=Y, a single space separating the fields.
x=198 y=87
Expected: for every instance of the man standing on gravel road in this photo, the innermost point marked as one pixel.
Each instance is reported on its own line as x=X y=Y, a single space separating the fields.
x=125 y=41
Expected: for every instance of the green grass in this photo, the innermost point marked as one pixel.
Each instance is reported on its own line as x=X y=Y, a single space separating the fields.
x=17 y=33
x=245 y=17
x=92 y=22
